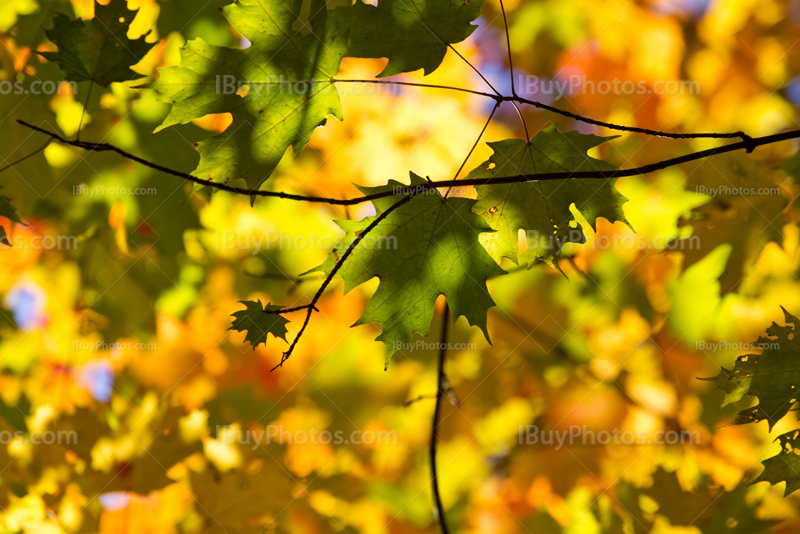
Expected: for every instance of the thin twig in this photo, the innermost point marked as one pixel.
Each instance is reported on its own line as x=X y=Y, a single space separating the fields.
x=336 y=268
x=474 y=146
x=415 y=84
x=511 y=71
x=440 y=391
x=508 y=46
x=473 y=67
x=290 y=310
x=749 y=145
x=23 y=158
x=521 y=100
x=655 y=133
x=420 y=398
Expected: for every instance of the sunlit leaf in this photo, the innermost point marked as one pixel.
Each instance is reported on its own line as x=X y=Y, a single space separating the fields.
x=287 y=72
x=425 y=248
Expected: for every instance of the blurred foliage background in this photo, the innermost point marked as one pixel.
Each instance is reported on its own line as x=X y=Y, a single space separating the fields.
x=123 y=335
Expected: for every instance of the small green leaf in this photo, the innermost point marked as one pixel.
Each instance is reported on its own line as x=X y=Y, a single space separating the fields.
x=785 y=467
x=425 y=248
x=257 y=323
x=412 y=34
x=772 y=376
x=542 y=208
x=8 y=210
x=97 y=50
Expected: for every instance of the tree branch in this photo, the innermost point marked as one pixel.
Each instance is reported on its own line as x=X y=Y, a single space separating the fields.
x=515 y=98
x=440 y=392
x=290 y=310
x=749 y=144
x=655 y=133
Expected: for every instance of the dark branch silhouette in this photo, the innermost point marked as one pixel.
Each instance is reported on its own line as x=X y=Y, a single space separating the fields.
x=749 y=144
x=441 y=388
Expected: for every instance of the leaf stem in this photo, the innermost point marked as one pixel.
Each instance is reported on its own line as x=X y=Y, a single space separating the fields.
x=473 y=67
x=474 y=146
x=23 y=158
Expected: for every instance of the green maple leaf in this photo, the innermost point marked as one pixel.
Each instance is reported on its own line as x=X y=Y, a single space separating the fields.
x=257 y=323
x=288 y=74
x=412 y=34
x=785 y=467
x=8 y=210
x=542 y=208
x=97 y=50
x=773 y=376
x=425 y=248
